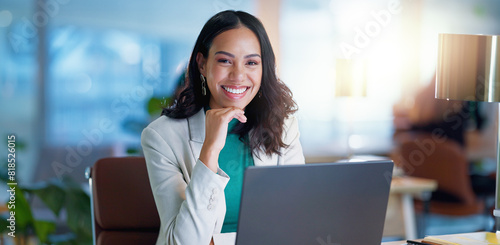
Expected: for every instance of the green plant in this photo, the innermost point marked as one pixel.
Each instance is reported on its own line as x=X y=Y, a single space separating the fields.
x=57 y=195
x=154 y=107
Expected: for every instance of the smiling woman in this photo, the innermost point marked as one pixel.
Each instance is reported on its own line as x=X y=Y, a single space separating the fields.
x=233 y=68
x=265 y=112
x=233 y=112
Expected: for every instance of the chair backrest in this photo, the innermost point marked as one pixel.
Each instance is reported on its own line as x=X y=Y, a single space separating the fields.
x=122 y=199
x=444 y=160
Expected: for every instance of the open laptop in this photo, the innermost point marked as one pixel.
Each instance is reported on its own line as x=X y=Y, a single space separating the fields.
x=323 y=204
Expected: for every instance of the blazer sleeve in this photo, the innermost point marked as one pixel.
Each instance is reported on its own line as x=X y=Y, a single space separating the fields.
x=292 y=154
x=188 y=209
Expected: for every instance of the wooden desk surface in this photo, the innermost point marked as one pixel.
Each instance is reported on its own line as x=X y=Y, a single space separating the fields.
x=480 y=237
x=395 y=243
x=407 y=184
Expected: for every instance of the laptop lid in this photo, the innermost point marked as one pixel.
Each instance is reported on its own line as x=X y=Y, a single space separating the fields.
x=324 y=204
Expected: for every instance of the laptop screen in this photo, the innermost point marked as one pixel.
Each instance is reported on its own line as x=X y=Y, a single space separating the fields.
x=325 y=203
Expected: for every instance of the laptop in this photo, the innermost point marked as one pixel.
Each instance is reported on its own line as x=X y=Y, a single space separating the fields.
x=324 y=204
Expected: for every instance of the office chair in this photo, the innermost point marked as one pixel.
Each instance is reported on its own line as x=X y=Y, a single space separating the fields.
x=123 y=207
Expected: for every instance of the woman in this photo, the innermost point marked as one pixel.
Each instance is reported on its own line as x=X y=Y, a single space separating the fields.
x=233 y=112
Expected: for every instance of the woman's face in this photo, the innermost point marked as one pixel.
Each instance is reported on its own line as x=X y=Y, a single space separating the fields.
x=233 y=68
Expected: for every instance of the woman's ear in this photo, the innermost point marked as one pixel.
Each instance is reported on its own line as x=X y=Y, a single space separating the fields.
x=201 y=61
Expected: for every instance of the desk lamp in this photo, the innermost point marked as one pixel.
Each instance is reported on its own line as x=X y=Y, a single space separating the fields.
x=468 y=69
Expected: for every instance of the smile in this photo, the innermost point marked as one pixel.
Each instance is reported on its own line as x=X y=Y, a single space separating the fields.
x=235 y=90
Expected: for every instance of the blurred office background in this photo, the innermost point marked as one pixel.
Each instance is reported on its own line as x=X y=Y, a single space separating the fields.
x=76 y=77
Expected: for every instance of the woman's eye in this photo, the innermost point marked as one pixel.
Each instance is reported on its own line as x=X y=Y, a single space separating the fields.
x=223 y=61
x=252 y=63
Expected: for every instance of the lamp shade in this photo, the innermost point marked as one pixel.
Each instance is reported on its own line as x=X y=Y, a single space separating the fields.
x=468 y=67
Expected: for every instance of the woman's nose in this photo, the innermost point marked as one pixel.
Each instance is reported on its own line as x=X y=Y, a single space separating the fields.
x=238 y=73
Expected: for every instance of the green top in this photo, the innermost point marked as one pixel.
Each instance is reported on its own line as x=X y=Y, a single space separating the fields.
x=234 y=158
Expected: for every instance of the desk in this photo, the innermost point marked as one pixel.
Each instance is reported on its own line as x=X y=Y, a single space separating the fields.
x=480 y=237
x=395 y=243
x=404 y=188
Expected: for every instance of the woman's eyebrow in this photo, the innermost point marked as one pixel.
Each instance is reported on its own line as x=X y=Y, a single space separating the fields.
x=225 y=53
x=252 y=55
x=232 y=55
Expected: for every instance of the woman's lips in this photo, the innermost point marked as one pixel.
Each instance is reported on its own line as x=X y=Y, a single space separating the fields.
x=235 y=92
x=235 y=89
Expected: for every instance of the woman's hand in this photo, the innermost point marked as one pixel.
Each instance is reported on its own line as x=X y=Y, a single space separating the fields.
x=216 y=125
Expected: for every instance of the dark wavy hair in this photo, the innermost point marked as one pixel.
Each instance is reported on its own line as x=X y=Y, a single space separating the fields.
x=266 y=112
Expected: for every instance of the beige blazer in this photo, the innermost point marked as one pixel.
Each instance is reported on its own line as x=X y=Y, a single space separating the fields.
x=189 y=196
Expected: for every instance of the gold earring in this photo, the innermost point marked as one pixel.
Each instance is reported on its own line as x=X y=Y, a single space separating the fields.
x=203 y=85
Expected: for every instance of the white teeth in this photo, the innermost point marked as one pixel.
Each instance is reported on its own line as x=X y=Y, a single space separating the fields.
x=235 y=91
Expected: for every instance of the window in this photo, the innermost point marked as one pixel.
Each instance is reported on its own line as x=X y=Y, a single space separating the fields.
x=316 y=36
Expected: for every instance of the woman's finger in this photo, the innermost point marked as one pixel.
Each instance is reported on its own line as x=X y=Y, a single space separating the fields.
x=238 y=114
x=227 y=114
x=216 y=126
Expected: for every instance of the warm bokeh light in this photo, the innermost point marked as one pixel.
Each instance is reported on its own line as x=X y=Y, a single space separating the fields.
x=351 y=77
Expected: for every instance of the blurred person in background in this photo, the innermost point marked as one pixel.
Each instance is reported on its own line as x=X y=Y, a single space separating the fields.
x=448 y=119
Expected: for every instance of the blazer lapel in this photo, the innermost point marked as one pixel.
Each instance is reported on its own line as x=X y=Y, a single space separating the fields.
x=196 y=125
x=265 y=160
